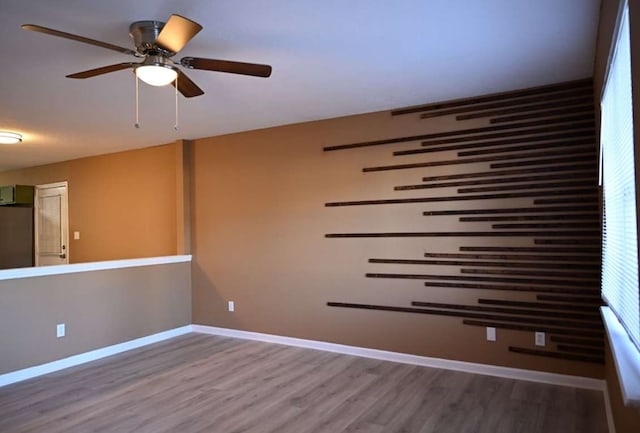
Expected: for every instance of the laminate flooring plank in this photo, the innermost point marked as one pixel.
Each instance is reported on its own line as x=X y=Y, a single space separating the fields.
x=201 y=383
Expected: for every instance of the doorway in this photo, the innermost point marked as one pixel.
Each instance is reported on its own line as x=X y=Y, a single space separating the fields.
x=51 y=224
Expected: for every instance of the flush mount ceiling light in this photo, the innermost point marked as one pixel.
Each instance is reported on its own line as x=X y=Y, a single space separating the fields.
x=9 y=137
x=156 y=71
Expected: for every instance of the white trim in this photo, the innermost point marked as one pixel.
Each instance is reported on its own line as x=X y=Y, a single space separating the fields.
x=9 y=274
x=405 y=358
x=626 y=358
x=50 y=367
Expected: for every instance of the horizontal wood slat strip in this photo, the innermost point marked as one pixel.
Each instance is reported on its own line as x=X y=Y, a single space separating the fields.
x=555 y=217
x=581 y=208
x=566 y=241
x=592 y=259
x=586 y=85
x=587 y=151
x=572 y=225
x=516 y=319
x=582 y=100
x=495 y=174
x=578 y=349
x=558 y=97
x=594 y=299
x=577 y=341
x=541 y=185
x=593 y=277
x=552 y=250
x=500 y=264
x=556 y=355
x=549 y=113
x=540 y=305
x=581 y=136
x=563 y=144
x=547 y=329
x=525 y=288
x=522 y=312
x=584 y=175
x=555 y=201
x=583 y=194
x=545 y=161
x=466 y=234
x=529 y=281
x=578 y=125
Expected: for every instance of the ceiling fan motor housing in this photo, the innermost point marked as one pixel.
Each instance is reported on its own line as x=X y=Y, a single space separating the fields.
x=145 y=34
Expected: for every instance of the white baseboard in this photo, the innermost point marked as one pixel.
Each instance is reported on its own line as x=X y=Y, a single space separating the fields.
x=50 y=367
x=405 y=358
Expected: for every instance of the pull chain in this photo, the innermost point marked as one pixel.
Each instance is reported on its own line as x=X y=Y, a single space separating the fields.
x=137 y=124
x=176 y=86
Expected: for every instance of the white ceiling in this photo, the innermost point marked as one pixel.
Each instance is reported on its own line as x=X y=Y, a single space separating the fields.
x=330 y=58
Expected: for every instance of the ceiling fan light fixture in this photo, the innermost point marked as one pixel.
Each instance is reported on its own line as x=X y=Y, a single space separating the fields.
x=156 y=75
x=7 y=137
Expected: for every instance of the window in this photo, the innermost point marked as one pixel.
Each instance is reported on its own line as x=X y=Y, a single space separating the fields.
x=620 y=241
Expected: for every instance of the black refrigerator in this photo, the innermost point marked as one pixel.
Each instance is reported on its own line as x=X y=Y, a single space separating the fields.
x=16 y=237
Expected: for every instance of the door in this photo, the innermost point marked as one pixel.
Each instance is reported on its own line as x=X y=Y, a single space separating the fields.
x=51 y=224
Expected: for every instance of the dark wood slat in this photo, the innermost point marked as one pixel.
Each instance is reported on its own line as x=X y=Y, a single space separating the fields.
x=495 y=174
x=547 y=329
x=567 y=241
x=547 y=113
x=559 y=97
x=573 y=225
x=578 y=125
x=584 y=100
x=517 y=311
x=554 y=201
x=586 y=84
x=577 y=341
x=552 y=250
x=452 y=137
x=516 y=319
x=491 y=181
x=594 y=299
x=573 y=275
x=556 y=355
x=527 y=186
x=511 y=288
x=566 y=143
x=540 y=305
x=545 y=161
x=592 y=259
x=501 y=264
x=581 y=208
x=585 y=150
x=529 y=281
x=583 y=194
x=580 y=136
x=578 y=349
x=458 y=234
x=561 y=217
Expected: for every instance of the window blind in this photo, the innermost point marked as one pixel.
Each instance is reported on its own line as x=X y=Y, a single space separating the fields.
x=619 y=240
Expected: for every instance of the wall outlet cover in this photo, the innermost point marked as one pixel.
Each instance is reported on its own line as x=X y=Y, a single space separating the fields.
x=232 y=306
x=540 y=339
x=60 y=330
x=491 y=333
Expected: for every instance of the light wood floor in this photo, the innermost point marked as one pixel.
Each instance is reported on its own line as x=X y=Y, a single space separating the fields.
x=202 y=383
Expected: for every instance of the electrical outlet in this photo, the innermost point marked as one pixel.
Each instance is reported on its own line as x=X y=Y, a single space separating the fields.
x=491 y=333
x=540 y=339
x=231 y=306
x=76 y=235
x=60 y=330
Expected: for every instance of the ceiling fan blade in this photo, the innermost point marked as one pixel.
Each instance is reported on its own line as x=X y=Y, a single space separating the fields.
x=176 y=33
x=188 y=88
x=103 y=70
x=253 y=69
x=45 y=30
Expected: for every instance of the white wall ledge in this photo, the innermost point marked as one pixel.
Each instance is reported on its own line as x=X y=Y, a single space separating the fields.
x=626 y=357
x=42 y=271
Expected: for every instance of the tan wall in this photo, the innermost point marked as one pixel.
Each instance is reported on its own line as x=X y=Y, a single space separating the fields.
x=123 y=204
x=626 y=419
x=258 y=226
x=99 y=308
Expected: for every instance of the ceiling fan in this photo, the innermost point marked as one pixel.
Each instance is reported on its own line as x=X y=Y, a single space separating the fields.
x=156 y=43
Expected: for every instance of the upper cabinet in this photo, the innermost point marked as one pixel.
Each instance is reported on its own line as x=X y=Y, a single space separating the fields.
x=16 y=194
